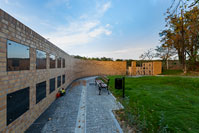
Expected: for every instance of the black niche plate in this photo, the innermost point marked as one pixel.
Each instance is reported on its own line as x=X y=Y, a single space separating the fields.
x=17 y=104
x=40 y=91
x=63 y=79
x=58 y=81
x=52 y=85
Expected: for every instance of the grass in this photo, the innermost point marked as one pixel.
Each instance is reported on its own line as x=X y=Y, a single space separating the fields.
x=160 y=104
x=179 y=73
x=172 y=72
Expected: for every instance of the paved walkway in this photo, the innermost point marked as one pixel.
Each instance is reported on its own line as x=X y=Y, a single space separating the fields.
x=81 y=110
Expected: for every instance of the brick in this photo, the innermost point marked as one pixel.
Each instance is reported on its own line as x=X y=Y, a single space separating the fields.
x=18 y=37
x=3 y=73
x=4 y=78
x=2 y=107
x=12 y=26
x=2 y=124
x=2 y=98
x=2 y=47
x=3 y=35
x=4 y=31
x=2 y=64
x=18 y=29
x=3 y=40
x=4 y=21
x=2 y=94
x=11 y=29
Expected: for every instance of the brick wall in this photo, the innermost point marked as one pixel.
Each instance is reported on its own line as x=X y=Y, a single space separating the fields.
x=12 y=81
x=147 y=68
x=157 y=68
x=133 y=67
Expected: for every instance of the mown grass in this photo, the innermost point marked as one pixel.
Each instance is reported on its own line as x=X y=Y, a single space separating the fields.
x=172 y=72
x=179 y=73
x=160 y=104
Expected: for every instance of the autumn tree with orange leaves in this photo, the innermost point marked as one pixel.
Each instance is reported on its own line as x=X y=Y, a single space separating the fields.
x=182 y=32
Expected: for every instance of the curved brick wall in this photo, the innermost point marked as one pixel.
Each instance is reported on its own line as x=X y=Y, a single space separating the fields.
x=11 y=29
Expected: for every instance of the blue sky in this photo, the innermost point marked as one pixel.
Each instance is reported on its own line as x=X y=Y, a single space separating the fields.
x=94 y=28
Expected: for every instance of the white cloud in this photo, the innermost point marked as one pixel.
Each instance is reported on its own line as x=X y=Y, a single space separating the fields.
x=77 y=33
x=103 y=8
x=98 y=31
x=77 y=27
x=107 y=25
x=106 y=6
x=68 y=40
x=82 y=30
x=126 y=53
x=84 y=16
x=6 y=1
x=10 y=3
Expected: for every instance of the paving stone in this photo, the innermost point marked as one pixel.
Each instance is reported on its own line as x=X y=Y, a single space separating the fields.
x=80 y=110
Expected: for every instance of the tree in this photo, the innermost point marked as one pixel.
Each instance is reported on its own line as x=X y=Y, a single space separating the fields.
x=194 y=3
x=119 y=60
x=177 y=5
x=98 y=59
x=106 y=59
x=182 y=33
x=148 y=55
x=165 y=53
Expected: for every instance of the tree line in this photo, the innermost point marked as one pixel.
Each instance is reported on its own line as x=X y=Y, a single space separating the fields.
x=93 y=58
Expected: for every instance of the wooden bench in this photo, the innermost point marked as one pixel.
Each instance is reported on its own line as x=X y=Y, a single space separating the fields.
x=102 y=83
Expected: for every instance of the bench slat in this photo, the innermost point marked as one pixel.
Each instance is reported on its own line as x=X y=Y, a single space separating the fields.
x=103 y=85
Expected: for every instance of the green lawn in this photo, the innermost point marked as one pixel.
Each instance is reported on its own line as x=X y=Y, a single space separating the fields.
x=160 y=104
x=172 y=72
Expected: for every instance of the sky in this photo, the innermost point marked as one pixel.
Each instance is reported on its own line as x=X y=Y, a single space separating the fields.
x=118 y=29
